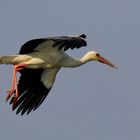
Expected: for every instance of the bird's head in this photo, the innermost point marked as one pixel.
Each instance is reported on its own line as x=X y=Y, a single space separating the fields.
x=97 y=57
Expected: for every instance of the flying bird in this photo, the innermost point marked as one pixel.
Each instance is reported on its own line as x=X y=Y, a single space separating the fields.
x=38 y=62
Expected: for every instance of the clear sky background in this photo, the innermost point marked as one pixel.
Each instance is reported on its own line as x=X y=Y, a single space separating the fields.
x=92 y=102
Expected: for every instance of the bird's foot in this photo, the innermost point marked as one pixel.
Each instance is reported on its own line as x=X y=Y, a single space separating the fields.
x=17 y=67
x=14 y=100
x=10 y=93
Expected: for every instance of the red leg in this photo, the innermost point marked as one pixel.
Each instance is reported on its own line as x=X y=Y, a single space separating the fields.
x=14 y=81
x=16 y=92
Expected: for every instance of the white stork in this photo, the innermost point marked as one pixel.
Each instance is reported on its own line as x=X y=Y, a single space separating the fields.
x=38 y=62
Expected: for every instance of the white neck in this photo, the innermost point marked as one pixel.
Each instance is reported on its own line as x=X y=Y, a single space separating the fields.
x=73 y=62
x=86 y=58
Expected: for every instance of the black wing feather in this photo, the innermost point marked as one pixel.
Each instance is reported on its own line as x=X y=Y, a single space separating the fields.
x=32 y=91
x=62 y=42
x=66 y=42
x=31 y=45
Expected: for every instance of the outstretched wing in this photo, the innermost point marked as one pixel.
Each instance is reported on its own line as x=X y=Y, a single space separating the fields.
x=61 y=42
x=33 y=87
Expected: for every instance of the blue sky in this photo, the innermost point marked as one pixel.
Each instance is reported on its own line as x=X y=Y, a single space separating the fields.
x=89 y=102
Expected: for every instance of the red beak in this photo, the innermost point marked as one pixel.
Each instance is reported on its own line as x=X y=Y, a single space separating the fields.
x=105 y=61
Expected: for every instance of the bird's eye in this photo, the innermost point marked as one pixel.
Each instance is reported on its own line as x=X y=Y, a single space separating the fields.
x=97 y=54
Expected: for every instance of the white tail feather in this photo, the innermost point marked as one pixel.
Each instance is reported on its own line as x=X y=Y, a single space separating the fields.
x=13 y=59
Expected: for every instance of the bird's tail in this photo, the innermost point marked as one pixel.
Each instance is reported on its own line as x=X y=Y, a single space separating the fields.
x=9 y=59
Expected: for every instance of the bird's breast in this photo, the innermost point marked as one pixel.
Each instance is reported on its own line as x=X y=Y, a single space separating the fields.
x=45 y=60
